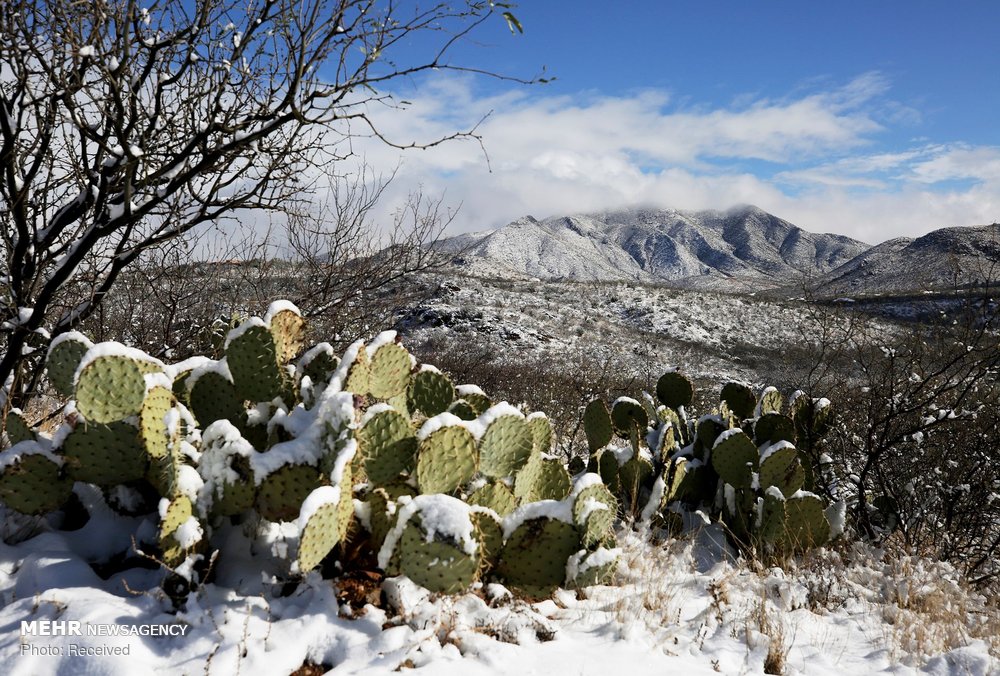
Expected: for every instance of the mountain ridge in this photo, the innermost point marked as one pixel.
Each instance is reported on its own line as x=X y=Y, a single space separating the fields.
x=739 y=249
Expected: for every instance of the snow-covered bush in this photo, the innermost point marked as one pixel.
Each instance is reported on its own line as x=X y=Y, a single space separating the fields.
x=740 y=464
x=369 y=451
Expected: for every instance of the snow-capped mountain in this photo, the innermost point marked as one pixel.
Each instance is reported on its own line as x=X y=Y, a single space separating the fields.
x=740 y=248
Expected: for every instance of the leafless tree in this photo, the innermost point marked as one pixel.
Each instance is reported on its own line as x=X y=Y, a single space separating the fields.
x=124 y=125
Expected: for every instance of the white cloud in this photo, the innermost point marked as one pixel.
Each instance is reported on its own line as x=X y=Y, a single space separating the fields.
x=814 y=158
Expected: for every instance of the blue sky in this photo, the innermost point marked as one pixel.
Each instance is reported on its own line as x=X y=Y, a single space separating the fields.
x=873 y=119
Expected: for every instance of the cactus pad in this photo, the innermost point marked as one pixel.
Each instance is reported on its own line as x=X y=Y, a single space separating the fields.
x=781 y=468
x=280 y=495
x=674 y=390
x=213 y=397
x=63 y=360
x=252 y=358
x=505 y=446
x=597 y=425
x=320 y=534
x=495 y=496
x=533 y=560
x=446 y=460
x=105 y=455
x=773 y=427
x=388 y=445
x=33 y=483
x=435 y=563
x=431 y=392
x=805 y=522
x=735 y=459
x=390 y=371
x=628 y=415
x=740 y=399
x=110 y=388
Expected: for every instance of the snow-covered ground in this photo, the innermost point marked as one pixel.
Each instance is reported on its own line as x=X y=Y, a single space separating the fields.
x=680 y=606
x=710 y=335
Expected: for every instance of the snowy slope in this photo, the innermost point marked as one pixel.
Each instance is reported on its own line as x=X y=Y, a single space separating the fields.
x=939 y=259
x=682 y=606
x=734 y=249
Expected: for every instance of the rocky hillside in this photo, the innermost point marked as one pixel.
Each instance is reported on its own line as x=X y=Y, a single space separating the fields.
x=942 y=259
x=737 y=249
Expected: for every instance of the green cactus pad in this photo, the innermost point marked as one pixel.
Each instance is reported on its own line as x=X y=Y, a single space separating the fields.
x=607 y=466
x=319 y=364
x=489 y=534
x=633 y=475
x=213 y=397
x=627 y=415
x=505 y=446
x=553 y=482
x=431 y=392
x=462 y=409
x=781 y=468
x=446 y=460
x=740 y=399
x=772 y=427
x=597 y=425
x=674 y=390
x=477 y=401
x=156 y=436
x=495 y=496
x=110 y=388
x=345 y=515
x=772 y=519
x=288 y=330
x=595 y=523
x=674 y=479
x=280 y=495
x=105 y=455
x=806 y=524
x=359 y=373
x=770 y=401
x=437 y=565
x=252 y=358
x=380 y=519
x=178 y=512
x=390 y=371
x=17 y=429
x=707 y=431
x=33 y=484
x=63 y=360
x=593 y=568
x=388 y=446
x=735 y=459
x=533 y=560
x=541 y=433
x=320 y=534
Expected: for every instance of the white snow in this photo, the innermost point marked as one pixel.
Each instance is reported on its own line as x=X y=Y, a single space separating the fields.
x=319 y=498
x=678 y=607
x=334 y=410
x=113 y=349
x=727 y=435
x=189 y=533
x=551 y=509
x=280 y=306
x=384 y=338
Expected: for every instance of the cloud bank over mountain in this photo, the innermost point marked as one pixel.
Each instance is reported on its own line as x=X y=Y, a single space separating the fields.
x=818 y=156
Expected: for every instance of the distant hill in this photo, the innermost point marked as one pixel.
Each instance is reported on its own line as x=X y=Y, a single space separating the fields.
x=743 y=248
x=944 y=258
